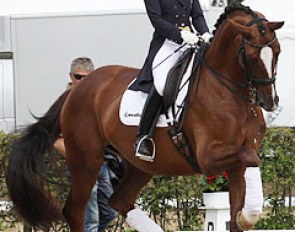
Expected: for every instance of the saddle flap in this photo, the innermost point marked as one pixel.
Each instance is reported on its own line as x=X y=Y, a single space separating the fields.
x=175 y=76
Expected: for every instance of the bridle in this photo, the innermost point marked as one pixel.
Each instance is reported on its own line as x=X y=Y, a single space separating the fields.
x=250 y=78
x=250 y=81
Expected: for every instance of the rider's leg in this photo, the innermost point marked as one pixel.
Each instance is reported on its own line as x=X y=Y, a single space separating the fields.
x=150 y=114
x=163 y=62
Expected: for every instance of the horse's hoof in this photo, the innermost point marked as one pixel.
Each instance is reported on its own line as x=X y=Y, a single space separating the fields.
x=245 y=223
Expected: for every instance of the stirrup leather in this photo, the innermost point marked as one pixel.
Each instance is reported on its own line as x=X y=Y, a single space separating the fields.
x=145 y=157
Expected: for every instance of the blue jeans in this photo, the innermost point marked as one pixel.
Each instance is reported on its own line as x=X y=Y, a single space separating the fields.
x=98 y=213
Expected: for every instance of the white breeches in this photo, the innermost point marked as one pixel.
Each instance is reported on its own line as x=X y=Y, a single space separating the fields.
x=160 y=71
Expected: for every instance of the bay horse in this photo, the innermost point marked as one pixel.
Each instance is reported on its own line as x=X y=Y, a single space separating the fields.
x=224 y=125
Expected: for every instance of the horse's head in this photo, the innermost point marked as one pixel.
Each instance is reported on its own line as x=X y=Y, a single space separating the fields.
x=255 y=43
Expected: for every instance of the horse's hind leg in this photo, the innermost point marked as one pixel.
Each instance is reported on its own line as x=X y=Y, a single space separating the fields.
x=124 y=198
x=84 y=159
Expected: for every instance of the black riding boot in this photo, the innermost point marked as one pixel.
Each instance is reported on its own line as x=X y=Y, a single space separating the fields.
x=144 y=143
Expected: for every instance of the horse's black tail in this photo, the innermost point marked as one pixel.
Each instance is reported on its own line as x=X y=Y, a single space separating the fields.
x=25 y=174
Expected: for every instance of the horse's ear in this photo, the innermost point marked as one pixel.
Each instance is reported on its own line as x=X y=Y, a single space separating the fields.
x=275 y=25
x=239 y=28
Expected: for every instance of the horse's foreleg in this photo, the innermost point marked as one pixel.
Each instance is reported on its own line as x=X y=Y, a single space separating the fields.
x=245 y=191
x=220 y=157
x=253 y=203
x=246 y=198
x=237 y=193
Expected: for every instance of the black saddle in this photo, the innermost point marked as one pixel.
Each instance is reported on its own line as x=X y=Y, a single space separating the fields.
x=174 y=78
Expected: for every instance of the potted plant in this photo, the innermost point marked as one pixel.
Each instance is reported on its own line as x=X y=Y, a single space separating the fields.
x=216 y=201
x=215 y=189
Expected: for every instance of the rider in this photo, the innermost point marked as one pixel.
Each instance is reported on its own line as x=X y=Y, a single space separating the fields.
x=175 y=23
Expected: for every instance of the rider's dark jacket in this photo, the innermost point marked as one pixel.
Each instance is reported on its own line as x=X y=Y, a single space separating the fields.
x=168 y=17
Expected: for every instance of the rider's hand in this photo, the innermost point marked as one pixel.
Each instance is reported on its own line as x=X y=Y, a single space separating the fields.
x=189 y=37
x=206 y=37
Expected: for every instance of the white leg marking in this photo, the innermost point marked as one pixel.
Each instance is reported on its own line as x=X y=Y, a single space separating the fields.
x=137 y=219
x=254 y=195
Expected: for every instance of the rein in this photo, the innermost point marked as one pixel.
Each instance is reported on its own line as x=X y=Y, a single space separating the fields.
x=223 y=79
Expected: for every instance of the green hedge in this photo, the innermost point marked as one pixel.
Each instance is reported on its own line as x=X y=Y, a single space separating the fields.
x=278 y=173
x=8 y=218
x=174 y=201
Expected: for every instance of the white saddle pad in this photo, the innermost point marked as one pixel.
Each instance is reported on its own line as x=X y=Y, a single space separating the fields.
x=133 y=102
x=131 y=108
x=132 y=105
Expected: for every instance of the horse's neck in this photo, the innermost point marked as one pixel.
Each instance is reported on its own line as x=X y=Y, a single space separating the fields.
x=221 y=65
x=222 y=59
x=222 y=56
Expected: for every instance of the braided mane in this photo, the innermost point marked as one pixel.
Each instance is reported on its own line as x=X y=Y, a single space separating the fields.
x=232 y=8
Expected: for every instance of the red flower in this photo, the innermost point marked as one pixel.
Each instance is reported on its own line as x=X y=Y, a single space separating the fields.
x=213 y=183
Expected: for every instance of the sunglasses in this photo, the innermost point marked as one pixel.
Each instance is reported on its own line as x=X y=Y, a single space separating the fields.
x=78 y=76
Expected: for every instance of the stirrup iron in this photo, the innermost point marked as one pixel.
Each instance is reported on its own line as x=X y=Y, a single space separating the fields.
x=146 y=157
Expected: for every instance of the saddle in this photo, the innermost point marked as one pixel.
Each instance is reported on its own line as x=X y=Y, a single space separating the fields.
x=175 y=76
